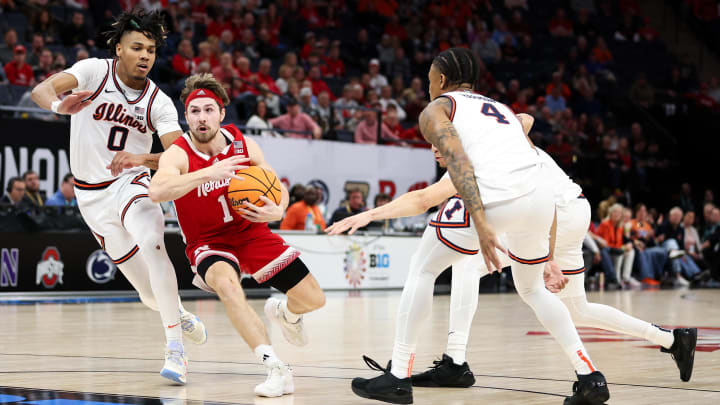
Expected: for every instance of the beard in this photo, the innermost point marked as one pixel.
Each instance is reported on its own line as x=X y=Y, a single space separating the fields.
x=206 y=137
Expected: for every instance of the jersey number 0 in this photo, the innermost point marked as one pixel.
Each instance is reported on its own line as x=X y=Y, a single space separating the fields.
x=114 y=143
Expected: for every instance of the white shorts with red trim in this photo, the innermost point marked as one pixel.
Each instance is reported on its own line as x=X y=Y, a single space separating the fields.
x=106 y=207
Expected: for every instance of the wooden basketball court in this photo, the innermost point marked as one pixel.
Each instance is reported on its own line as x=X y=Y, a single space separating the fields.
x=69 y=352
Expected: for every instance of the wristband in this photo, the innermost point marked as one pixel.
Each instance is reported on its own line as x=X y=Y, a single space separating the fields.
x=54 y=106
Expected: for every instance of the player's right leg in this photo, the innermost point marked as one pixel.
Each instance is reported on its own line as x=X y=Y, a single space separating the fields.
x=429 y=260
x=303 y=295
x=221 y=274
x=527 y=221
x=573 y=222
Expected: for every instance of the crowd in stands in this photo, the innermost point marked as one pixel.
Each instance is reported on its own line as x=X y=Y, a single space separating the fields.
x=589 y=71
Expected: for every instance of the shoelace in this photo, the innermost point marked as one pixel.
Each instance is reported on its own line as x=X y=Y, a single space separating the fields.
x=373 y=365
x=437 y=363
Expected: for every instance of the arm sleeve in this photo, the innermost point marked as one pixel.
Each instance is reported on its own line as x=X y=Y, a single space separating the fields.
x=590 y=243
x=88 y=72
x=164 y=116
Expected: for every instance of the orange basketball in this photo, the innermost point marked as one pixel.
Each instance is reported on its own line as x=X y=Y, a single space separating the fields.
x=256 y=182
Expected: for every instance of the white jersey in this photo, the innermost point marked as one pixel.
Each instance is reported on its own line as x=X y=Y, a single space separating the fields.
x=564 y=189
x=505 y=164
x=118 y=119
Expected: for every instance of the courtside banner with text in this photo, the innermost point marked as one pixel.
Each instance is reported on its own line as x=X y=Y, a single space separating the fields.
x=355 y=262
x=334 y=166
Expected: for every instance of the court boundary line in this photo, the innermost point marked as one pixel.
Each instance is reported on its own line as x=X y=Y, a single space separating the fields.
x=357 y=369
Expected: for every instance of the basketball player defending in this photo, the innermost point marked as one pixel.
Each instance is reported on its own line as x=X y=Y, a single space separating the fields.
x=114 y=111
x=487 y=155
x=195 y=172
x=573 y=216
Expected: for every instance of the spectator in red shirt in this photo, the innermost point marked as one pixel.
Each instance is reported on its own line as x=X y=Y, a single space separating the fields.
x=560 y=26
x=557 y=81
x=217 y=26
x=18 y=71
x=225 y=72
x=520 y=105
x=263 y=76
x=309 y=45
x=395 y=29
x=318 y=84
x=310 y=14
x=601 y=54
x=205 y=54
x=246 y=76
x=183 y=62
x=561 y=151
x=334 y=66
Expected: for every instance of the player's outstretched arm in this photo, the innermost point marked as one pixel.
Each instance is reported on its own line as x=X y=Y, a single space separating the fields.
x=407 y=205
x=437 y=129
x=45 y=94
x=173 y=181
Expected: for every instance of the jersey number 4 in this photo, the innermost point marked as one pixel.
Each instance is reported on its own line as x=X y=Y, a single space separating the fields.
x=114 y=143
x=490 y=110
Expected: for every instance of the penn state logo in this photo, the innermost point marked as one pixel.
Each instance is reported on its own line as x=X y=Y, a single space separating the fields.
x=49 y=270
x=100 y=268
x=323 y=187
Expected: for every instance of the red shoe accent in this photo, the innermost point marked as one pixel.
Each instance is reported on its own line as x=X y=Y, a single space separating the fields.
x=651 y=281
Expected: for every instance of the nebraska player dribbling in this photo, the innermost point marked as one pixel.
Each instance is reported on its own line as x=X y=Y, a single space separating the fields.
x=195 y=172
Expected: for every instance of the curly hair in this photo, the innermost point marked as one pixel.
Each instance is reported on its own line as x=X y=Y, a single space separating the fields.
x=204 y=81
x=151 y=25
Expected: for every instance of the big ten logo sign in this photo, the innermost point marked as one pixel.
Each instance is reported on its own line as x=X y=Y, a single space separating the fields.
x=388 y=187
x=379 y=260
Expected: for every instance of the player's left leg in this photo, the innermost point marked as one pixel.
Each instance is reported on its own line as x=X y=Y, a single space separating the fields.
x=303 y=295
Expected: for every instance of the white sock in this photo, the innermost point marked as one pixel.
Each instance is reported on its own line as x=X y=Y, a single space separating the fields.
x=181 y=307
x=660 y=336
x=463 y=304
x=289 y=315
x=606 y=317
x=551 y=313
x=266 y=355
x=145 y=222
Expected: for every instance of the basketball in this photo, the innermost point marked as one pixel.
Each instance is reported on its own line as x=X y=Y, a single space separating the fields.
x=256 y=182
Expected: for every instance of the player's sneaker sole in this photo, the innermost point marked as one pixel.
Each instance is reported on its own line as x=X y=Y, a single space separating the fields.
x=174 y=376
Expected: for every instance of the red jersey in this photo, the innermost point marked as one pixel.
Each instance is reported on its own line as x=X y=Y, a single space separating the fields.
x=205 y=213
x=212 y=228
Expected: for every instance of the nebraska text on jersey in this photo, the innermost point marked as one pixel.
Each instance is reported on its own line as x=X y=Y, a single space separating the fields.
x=116 y=113
x=206 y=188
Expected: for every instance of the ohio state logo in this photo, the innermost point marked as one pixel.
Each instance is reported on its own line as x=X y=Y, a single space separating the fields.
x=50 y=268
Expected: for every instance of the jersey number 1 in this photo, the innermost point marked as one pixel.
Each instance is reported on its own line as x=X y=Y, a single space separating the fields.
x=226 y=211
x=115 y=144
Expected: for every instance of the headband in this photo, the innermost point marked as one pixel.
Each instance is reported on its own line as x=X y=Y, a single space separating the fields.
x=200 y=93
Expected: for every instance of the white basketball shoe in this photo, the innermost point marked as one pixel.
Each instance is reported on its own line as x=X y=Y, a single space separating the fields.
x=175 y=368
x=279 y=382
x=193 y=328
x=293 y=332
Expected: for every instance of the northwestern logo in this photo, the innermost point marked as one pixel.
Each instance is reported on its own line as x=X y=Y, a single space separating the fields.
x=50 y=268
x=9 y=265
x=100 y=268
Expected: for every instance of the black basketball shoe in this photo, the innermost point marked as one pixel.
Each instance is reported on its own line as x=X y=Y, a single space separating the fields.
x=386 y=388
x=589 y=389
x=445 y=373
x=683 y=351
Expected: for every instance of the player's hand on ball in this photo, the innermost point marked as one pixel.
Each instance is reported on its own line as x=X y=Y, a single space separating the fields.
x=352 y=223
x=227 y=168
x=74 y=102
x=269 y=212
x=555 y=281
x=124 y=160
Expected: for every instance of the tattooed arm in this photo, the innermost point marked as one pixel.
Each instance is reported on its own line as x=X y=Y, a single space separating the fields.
x=437 y=129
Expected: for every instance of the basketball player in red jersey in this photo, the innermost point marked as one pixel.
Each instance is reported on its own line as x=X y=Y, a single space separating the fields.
x=195 y=172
